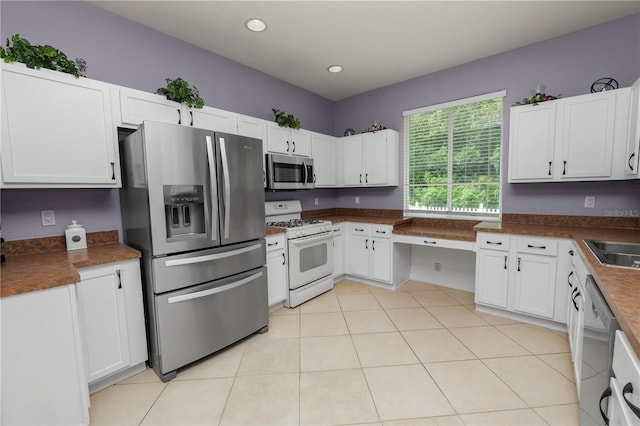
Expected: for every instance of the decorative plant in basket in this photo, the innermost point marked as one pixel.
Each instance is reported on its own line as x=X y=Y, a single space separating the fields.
x=36 y=56
x=285 y=120
x=178 y=90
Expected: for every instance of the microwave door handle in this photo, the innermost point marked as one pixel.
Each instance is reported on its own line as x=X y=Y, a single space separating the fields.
x=226 y=187
x=213 y=193
x=306 y=173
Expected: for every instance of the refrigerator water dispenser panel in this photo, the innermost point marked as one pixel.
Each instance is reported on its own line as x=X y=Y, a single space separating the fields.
x=184 y=210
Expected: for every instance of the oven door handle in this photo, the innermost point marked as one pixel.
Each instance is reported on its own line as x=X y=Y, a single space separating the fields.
x=205 y=293
x=312 y=239
x=207 y=258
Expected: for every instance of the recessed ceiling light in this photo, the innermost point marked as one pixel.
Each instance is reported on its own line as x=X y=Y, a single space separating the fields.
x=335 y=68
x=256 y=25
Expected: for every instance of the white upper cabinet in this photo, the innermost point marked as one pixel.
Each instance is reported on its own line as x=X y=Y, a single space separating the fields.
x=57 y=131
x=323 y=151
x=532 y=138
x=284 y=140
x=587 y=130
x=573 y=139
x=371 y=159
x=137 y=106
x=633 y=141
x=255 y=128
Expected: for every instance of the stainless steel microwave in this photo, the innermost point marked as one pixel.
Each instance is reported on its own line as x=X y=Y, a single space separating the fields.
x=289 y=172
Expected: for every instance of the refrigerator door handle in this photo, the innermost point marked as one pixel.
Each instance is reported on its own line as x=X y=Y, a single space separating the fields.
x=207 y=258
x=226 y=188
x=211 y=159
x=215 y=290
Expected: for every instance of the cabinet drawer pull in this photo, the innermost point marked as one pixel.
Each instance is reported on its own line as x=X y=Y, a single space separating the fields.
x=606 y=394
x=358 y=229
x=633 y=154
x=497 y=243
x=537 y=247
x=272 y=244
x=429 y=242
x=380 y=232
x=628 y=388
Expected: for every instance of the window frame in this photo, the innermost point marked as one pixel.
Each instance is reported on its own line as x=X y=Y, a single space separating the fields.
x=406 y=143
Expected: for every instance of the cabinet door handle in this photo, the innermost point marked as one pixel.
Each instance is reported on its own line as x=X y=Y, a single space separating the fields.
x=429 y=242
x=519 y=264
x=537 y=247
x=505 y=262
x=113 y=171
x=373 y=244
x=314 y=178
x=633 y=154
x=284 y=259
x=569 y=279
x=119 y=279
x=564 y=167
x=287 y=146
x=360 y=177
x=628 y=388
x=549 y=168
x=191 y=114
x=294 y=146
x=179 y=116
x=366 y=244
x=606 y=394
x=366 y=178
x=570 y=252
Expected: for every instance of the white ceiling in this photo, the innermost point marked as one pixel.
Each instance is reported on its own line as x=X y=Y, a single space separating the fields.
x=378 y=42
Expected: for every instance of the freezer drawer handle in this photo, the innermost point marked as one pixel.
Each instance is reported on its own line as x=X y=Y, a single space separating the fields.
x=217 y=256
x=216 y=290
x=606 y=394
x=628 y=388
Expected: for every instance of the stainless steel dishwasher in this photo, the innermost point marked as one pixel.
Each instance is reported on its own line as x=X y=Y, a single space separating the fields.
x=597 y=354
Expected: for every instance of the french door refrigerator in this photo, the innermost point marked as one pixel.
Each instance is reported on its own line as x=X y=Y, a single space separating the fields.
x=193 y=203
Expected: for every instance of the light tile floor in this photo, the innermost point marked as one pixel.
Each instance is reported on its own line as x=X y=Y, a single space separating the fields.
x=358 y=354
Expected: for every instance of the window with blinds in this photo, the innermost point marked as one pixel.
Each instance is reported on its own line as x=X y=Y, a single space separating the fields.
x=452 y=158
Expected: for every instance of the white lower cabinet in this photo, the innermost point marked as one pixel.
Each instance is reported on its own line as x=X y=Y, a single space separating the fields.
x=369 y=251
x=624 y=405
x=276 y=268
x=112 y=321
x=518 y=274
x=43 y=379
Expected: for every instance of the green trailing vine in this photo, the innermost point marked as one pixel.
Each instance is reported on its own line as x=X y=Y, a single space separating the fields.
x=178 y=90
x=284 y=120
x=37 y=56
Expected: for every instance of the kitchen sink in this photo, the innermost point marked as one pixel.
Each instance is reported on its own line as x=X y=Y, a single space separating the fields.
x=616 y=253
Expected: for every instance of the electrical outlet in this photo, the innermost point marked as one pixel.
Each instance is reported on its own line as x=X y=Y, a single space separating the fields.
x=589 y=202
x=48 y=217
x=315 y=201
x=357 y=200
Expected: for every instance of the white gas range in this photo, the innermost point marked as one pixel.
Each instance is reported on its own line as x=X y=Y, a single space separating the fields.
x=309 y=250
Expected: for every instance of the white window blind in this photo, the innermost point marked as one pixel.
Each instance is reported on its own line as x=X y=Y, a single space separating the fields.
x=452 y=158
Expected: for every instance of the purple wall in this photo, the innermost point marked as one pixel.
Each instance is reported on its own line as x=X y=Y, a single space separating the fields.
x=123 y=52
x=567 y=65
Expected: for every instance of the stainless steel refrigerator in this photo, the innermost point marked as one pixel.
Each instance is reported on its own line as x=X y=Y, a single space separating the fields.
x=193 y=203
